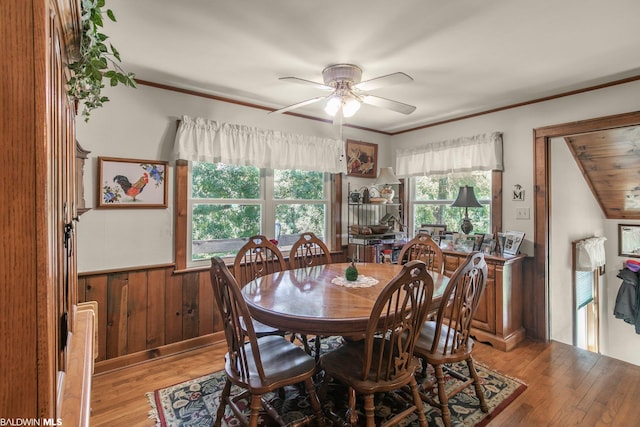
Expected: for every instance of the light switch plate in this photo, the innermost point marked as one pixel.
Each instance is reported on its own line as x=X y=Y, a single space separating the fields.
x=522 y=213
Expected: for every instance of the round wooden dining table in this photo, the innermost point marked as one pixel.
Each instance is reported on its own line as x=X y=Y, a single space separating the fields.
x=306 y=300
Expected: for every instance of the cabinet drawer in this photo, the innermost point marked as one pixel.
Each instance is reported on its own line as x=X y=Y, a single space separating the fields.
x=450 y=264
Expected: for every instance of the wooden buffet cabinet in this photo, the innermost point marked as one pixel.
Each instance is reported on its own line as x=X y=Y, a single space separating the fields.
x=498 y=320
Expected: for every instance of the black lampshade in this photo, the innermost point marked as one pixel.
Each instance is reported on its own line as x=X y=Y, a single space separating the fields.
x=466 y=198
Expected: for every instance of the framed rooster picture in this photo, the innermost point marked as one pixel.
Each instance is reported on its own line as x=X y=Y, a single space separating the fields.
x=131 y=183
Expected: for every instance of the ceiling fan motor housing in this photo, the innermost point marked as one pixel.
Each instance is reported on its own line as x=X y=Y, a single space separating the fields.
x=339 y=73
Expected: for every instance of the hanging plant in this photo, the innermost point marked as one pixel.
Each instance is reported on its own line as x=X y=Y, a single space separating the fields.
x=98 y=62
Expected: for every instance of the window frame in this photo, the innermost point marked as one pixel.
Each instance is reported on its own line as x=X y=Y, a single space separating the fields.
x=495 y=203
x=184 y=205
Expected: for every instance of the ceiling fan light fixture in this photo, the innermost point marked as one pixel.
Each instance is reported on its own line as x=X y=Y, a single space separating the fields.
x=348 y=91
x=350 y=105
x=333 y=105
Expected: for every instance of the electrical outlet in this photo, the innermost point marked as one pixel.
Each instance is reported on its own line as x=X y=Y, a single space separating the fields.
x=522 y=213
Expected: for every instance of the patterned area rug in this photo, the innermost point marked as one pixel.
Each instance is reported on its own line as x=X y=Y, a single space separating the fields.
x=195 y=402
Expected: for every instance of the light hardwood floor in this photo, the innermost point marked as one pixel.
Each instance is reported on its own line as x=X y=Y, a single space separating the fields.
x=566 y=386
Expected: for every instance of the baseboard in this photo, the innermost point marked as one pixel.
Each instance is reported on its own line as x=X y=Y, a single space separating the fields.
x=157 y=353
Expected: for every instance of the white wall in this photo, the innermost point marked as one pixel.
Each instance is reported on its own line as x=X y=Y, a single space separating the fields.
x=618 y=339
x=141 y=123
x=575 y=215
x=517 y=127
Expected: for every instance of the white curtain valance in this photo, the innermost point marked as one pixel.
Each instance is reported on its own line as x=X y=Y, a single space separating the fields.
x=590 y=253
x=476 y=153
x=204 y=140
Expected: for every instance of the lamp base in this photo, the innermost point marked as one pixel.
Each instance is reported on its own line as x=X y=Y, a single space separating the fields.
x=388 y=193
x=466 y=226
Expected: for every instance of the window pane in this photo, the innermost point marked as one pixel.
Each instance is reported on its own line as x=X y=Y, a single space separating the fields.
x=452 y=217
x=293 y=219
x=428 y=188
x=220 y=181
x=434 y=195
x=429 y=214
x=446 y=187
x=218 y=229
x=298 y=185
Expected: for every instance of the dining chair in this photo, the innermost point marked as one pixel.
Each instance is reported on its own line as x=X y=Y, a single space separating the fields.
x=308 y=251
x=256 y=258
x=447 y=339
x=384 y=360
x=256 y=365
x=423 y=247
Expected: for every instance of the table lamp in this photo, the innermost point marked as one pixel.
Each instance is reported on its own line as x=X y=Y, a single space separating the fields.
x=466 y=199
x=385 y=179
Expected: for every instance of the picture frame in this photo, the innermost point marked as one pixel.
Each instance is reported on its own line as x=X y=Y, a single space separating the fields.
x=433 y=229
x=362 y=159
x=447 y=242
x=488 y=245
x=465 y=243
x=629 y=240
x=479 y=237
x=132 y=183
x=500 y=239
x=512 y=242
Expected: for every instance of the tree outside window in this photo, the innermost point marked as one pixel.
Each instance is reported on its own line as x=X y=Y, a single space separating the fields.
x=229 y=204
x=431 y=198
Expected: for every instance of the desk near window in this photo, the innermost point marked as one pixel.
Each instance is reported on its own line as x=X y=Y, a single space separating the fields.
x=305 y=300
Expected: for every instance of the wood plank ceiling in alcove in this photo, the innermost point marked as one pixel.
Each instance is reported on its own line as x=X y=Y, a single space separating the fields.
x=610 y=162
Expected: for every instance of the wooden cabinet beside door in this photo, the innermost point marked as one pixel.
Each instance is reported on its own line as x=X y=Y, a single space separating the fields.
x=498 y=320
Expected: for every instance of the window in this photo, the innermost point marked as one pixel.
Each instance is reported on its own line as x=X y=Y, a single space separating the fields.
x=226 y=204
x=431 y=197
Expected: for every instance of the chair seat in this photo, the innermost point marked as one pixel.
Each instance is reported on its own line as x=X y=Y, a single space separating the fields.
x=261 y=329
x=345 y=364
x=443 y=352
x=281 y=362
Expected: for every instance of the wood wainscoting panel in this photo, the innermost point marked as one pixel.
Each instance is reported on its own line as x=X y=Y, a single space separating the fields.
x=156 y=303
x=143 y=309
x=153 y=311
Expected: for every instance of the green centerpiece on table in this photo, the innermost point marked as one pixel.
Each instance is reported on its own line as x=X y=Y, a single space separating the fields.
x=351 y=273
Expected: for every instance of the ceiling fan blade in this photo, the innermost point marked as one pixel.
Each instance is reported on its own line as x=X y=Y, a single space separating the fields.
x=388 y=104
x=307 y=83
x=299 y=104
x=388 y=80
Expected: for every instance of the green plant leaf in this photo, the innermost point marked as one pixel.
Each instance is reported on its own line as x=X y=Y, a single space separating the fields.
x=85 y=84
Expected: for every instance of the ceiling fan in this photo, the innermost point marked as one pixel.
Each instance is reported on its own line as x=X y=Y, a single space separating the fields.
x=348 y=92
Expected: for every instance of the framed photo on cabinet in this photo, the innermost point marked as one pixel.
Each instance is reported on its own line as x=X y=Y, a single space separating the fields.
x=512 y=242
x=433 y=229
x=132 y=183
